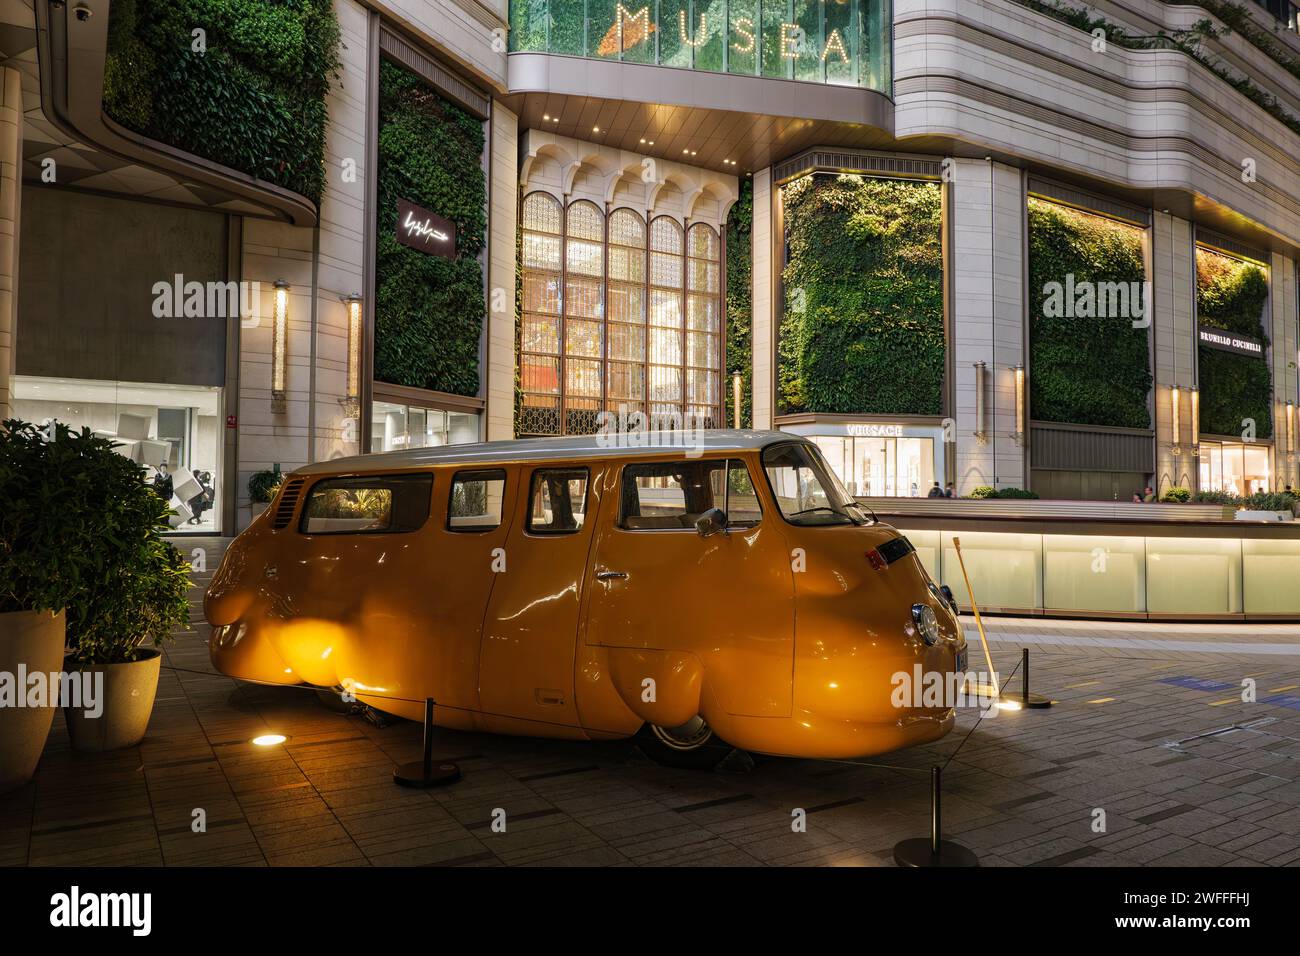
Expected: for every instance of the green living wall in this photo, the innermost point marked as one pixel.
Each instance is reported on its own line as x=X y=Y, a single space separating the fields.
x=740 y=315
x=428 y=310
x=252 y=98
x=1234 y=389
x=1085 y=369
x=863 y=330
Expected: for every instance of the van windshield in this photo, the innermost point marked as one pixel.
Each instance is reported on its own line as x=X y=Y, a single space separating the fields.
x=806 y=489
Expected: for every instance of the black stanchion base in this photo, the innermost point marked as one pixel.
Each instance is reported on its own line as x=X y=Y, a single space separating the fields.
x=916 y=852
x=1035 y=701
x=413 y=775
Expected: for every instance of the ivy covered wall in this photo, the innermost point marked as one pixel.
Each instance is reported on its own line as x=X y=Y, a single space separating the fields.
x=1231 y=295
x=863 y=330
x=1085 y=368
x=428 y=310
x=252 y=99
x=740 y=314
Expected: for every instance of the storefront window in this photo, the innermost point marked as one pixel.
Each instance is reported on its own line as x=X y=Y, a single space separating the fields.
x=1237 y=468
x=641 y=328
x=394 y=427
x=892 y=466
x=173 y=432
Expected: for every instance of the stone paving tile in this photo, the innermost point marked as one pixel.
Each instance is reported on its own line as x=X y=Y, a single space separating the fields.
x=1182 y=782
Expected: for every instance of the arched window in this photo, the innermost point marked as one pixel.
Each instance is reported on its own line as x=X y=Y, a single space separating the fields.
x=584 y=311
x=540 y=338
x=665 y=326
x=626 y=335
x=619 y=315
x=703 y=325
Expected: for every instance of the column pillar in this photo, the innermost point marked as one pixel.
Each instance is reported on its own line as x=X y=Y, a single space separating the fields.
x=1286 y=377
x=11 y=182
x=1173 y=272
x=503 y=170
x=986 y=233
x=766 y=311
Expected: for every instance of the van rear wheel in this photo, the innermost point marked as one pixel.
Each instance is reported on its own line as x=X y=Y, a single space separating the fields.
x=692 y=746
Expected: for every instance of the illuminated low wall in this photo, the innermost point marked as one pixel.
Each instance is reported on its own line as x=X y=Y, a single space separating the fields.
x=1230 y=573
x=842 y=42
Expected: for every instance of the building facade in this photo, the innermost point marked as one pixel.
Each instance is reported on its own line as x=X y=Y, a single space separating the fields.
x=1003 y=243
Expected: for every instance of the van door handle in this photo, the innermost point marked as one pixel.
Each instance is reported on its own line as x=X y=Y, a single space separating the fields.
x=610 y=575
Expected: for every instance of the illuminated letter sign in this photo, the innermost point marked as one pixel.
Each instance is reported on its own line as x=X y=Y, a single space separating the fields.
x=873 y=430
x=424 y=230
x=1231 y=342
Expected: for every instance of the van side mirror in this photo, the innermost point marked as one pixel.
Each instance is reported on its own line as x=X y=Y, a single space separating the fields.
x=711 y=522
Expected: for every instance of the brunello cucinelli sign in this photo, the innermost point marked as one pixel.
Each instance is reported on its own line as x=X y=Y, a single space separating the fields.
x=1231 y=341
x=424 y=230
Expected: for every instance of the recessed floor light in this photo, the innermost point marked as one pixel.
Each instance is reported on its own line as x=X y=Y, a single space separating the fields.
x=269 y=740
x=546 y=116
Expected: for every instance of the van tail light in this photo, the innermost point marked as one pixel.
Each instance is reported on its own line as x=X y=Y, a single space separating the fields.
x=877 y=560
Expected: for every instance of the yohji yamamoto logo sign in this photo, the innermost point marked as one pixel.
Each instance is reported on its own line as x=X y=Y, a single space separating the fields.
x=77 y=909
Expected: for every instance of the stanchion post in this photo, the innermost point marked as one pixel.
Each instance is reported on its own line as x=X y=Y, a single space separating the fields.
x=934 y=850
x=1025 y=698
x=424 y=773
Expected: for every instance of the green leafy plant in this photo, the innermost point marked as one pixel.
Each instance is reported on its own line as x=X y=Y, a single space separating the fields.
x=1215 y=498
x=863 y=330
x=252 y=99
x=1231 y=295
x=429 y=310
x=1270 y=501
x=986 y=492
x=1068 y=354
x=1177 y=496
x=263 y=485
x=740 y=314
x=81 y=530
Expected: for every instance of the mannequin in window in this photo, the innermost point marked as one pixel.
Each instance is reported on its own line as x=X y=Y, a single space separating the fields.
x=162 y=483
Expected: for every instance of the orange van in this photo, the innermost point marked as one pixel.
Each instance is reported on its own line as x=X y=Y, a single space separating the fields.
x=728 y=590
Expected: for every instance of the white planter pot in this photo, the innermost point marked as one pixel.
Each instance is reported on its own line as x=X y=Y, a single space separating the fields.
x=33 y=640
x=128 y=693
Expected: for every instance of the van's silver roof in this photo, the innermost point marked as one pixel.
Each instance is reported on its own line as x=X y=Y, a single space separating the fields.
x=612 y=445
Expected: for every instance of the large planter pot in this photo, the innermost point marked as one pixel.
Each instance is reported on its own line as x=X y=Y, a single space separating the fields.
x=127 y=701
x=30 y=642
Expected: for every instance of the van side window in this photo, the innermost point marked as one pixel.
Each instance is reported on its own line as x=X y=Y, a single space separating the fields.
x=373 y=504
x=559 y=500
x=475 y=502
x=671 y=495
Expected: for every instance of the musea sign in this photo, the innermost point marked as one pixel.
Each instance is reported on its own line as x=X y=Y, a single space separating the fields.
x=424 y=230
x=1230 y=341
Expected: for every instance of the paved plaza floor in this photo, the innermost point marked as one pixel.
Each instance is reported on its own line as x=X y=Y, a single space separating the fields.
x=1149 y=757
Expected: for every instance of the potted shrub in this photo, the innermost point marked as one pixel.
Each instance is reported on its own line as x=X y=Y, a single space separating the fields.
x=124 y=611
x=1176 y=496
x=41 y=568
x=79 y=555
x=262 y=488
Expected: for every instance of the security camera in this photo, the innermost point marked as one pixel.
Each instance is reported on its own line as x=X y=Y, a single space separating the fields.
x=83 y=12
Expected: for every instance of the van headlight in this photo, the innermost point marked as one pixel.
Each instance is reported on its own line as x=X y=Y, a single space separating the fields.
x=926 y=623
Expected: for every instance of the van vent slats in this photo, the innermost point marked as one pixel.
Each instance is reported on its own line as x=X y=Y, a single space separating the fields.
x=289 y=496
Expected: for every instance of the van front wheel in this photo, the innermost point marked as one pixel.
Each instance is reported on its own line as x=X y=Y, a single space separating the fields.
x=692 y=746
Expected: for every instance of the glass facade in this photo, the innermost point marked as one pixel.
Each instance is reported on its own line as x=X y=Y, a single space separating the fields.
x=1234 y=467
x=617 y=316
x=1115 y=574
x=173 y=432
x=841 y=42
x=394 y=427
x=888 y=467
